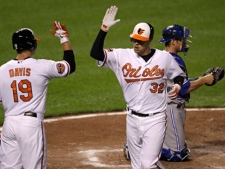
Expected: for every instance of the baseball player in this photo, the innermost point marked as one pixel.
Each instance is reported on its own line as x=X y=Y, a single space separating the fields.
x=175 y=148
x=142 y=73
x=23 y=89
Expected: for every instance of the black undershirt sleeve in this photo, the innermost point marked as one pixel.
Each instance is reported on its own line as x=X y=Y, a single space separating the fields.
x=97 y=48
x=70 y=58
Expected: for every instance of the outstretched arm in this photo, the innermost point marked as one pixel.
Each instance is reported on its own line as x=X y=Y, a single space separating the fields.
x=62 y=33
x=107 y=22
x=195 y=84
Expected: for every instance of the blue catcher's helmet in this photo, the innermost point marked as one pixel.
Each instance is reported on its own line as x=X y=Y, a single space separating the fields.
x=177 y=32
x=172 y=32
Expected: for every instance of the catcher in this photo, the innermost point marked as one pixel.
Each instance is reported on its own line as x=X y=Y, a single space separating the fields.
x=176 y=40
x=175 y=147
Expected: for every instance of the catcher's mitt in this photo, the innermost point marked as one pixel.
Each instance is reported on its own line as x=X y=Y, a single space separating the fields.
x=218 y=74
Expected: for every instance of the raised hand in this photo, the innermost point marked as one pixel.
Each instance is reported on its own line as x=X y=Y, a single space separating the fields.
x=109 y=18
x=60 y=32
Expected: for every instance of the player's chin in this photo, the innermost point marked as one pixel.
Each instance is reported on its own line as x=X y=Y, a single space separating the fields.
x=139 y=53
x=136 y=50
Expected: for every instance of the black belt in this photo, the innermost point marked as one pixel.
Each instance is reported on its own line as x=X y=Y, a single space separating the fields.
x=143 y=115
x=29 y=113
x=180 y=106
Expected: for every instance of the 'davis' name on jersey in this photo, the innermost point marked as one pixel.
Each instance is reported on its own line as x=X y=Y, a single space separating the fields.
x=19 y=72
x=147 y=73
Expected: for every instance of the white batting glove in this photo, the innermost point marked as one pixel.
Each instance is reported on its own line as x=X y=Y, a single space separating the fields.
x=173 y=93
x=60 y=32
x=109 y=18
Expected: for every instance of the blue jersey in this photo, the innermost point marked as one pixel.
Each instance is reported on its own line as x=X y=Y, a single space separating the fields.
x=186 y=84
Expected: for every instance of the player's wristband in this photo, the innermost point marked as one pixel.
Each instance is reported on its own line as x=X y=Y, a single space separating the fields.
x=64 y=39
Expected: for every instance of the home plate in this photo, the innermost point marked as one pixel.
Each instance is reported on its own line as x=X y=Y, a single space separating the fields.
x=103 y=158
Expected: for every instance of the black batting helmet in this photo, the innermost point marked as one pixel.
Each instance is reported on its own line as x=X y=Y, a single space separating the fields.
x=23 y=39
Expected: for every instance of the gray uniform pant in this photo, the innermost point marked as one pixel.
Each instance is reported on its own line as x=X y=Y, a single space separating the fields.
x=175 y=132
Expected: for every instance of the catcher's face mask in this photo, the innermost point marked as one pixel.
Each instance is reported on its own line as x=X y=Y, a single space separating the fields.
x=186 y=42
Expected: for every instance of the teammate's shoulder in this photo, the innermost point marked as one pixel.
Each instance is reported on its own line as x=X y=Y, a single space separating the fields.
x=130 y=50
x=10 y=62
x=162 y=52
x=158 y=50
x=44 y=60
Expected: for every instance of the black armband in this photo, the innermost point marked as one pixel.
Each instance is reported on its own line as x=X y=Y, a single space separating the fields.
x=70 y=58
x=178 y=80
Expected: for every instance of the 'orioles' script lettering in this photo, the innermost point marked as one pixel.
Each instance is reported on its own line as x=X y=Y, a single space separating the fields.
x=146 y=74
x=19 y=72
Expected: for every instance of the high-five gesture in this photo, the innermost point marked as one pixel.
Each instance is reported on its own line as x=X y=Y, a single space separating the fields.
x=60 y=32
x=109 y=18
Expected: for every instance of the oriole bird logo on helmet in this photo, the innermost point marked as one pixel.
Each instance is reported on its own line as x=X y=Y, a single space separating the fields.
x=140 y=31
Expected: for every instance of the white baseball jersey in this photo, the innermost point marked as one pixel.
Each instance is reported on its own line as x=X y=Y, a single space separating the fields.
x=25 y=83
x=143 y=83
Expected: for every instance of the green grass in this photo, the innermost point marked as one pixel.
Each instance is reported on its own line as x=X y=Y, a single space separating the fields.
x=93 y=89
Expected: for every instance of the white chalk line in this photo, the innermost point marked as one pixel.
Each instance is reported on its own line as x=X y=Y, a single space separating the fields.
x=82 y=116
x=118 y=113
x=50 y=120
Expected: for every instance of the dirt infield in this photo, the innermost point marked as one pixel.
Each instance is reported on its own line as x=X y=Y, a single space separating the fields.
x=97 y=142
